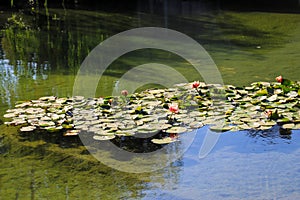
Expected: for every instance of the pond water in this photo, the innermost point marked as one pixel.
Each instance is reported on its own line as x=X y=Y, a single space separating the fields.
x=40 y=53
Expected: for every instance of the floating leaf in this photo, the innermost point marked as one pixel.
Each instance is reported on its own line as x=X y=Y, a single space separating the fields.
x=9 y=115
x=71 y=132
x=99 y=137
x=297 y=126
x=273 y=98
x=196 y=125
x=165 y=140
x=177 y=130
x=262 y=92
x=28 y=128
x=218 y=128
x=288 y=126
x=53 y=128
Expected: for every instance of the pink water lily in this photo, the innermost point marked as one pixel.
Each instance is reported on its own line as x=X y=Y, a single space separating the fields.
x=269 y=113
x=279 y=79
x=196 y=84
x=173 y=108
x=124 y=92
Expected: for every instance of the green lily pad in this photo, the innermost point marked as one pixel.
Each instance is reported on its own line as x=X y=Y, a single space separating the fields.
x=244 y=127
x=48 y=98
x=196 y=125
x=71 y=133
x=208 y=121
x=162 y=126
x=148 y=119
x=292 y=94
x=22 y=105
x=67 y=126
x=186 y=120
x=249 y=120
x=195 y=114
x=264 y=127
x=124 y=133
x=297 y=126
x=177 y=130
x=288 y=126
x=218 y=128
x=165 y=140
x=126 y=126
x=17 y=122
x=9 y=115
x=262 y=92
x=28 y=128
x=268 y=123
x=273 y=98
x=284 y=120
x=61 y=100
x=149 y=128
x=103 y=137
x=254 y=124
x=236 y=122
x=104 y=132
x=53 y=128
x=78 y=98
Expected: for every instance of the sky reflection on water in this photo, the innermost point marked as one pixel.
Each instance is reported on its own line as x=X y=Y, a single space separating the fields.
x=239 y=167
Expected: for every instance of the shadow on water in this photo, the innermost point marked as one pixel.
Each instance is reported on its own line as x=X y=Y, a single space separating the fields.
x=275 y=135
x=128 y=143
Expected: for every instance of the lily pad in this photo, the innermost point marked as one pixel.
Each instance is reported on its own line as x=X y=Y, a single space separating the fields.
x=124 y=133
x=177 y=130
x=244 y=127
x=19 y=122
x=53 y=128
x=288 y=126
x=218 y=128
x=297 y=126
x=283 y=120
x=273 y=98
x=9 y=115
x=165 y=140
x=103 y=137
x=196 y=125
x=48 y=98
x=104 y=132
x=22 y=105
x=72 y=132
x=28 y=128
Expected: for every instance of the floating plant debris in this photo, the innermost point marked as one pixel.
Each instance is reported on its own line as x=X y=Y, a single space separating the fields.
x=174 y=110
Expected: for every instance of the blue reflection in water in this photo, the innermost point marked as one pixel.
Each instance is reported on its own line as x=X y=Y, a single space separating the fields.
x=243 y=165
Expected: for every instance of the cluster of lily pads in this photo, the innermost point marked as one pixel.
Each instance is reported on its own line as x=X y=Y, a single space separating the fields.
x=170 y=111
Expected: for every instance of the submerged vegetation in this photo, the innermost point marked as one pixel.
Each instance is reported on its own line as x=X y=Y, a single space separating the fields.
x=165 y=112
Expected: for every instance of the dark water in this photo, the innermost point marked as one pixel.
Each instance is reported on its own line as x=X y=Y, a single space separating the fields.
x=41 y=52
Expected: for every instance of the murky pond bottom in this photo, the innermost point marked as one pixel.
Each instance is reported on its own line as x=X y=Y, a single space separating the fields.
x=242 y=165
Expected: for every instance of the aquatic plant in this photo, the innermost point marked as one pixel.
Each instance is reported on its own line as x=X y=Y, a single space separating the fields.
x=170 y=111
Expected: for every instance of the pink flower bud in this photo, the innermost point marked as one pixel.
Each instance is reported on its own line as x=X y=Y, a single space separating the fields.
x=124 y=92
x=279 y=79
